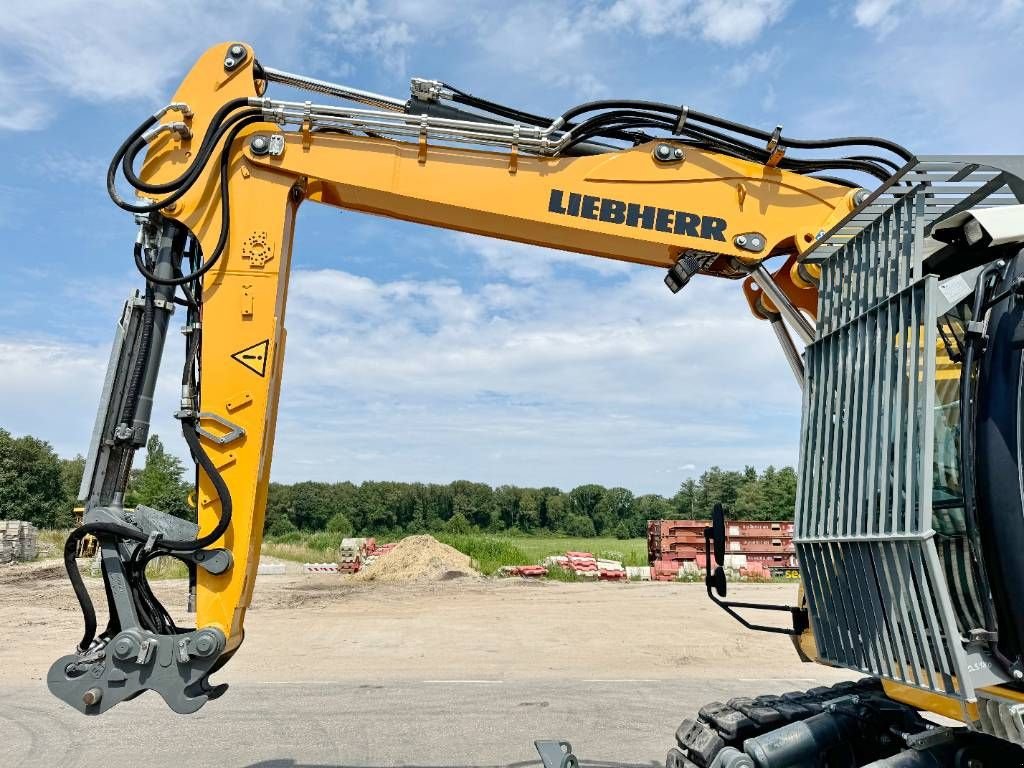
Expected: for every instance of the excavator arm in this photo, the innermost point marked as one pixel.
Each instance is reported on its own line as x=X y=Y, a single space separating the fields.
x=224 y=172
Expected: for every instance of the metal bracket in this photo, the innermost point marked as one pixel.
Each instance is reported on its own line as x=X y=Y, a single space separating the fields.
x=776 y=151
x=234 y=431
x=421 y=155
x=215 y=561
x=513 y=160
x=932 y=737
x=556 y=754
x=234 y=57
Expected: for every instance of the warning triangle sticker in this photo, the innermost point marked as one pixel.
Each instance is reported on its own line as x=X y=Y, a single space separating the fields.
x=255 y=357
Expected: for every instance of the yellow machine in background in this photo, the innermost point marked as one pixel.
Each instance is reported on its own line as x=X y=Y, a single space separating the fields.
x=226 y=167
x=87 y=544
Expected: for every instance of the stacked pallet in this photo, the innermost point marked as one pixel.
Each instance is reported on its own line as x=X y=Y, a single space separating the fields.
x=351 y=554
x=756 y=549
x=19 y=541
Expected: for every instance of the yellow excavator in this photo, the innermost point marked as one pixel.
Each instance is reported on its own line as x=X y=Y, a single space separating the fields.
x=892 y=282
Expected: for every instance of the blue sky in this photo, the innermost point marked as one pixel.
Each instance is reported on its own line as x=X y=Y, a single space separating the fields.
x=419 y=354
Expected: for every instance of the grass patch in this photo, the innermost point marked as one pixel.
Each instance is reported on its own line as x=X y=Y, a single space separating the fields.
x=556 y=573
x=299 y=552
x=629 y=551
x=493 y=551
x=166 y=568
x=488 y=553
x=50 y=542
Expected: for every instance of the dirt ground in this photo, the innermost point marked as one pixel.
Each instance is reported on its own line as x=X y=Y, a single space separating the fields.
x=330 y=628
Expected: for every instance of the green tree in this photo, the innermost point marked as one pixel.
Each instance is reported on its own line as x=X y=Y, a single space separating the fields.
x=556 y=510
x=579 y=525
x=717 y=486
x=685 y=500
x=31 y=481
x=312 y=504
x=583 y=500
x=160 y=484
x=71 y=471
x=529 y=509
x=615 y=506
x=339 y=524
x=458 y=524
x=651 y=506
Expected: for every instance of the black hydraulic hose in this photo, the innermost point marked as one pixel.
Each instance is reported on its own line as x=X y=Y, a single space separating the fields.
x=719 y=122
x=184 y=182
x=461 y=97
x=210 y=141
x=225 y=216
x=708 y=138
x=112 y=529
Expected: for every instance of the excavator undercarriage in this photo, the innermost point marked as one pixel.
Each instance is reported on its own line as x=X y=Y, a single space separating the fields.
x=907 y=296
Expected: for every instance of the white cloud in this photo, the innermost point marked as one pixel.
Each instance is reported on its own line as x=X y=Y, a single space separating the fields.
x=526 y=263
x=729 y=22
x=114 y=51
x=61 y=165
x=358 y=29
x=104 y=52
x=559 y=381
x=759 y=63
x=878 y=15
x=564 y=380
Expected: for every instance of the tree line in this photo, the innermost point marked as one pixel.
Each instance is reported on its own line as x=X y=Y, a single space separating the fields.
x=39 y=486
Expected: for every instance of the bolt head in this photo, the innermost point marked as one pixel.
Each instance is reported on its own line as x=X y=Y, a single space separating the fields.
x=237 y=50
x=124 y=648
x=677 y=153
x=663 y=151
x=1018 y=674
x=229 y=62
x=204 y=644
x=741 y=240
x=755 y=242
x=259 y=143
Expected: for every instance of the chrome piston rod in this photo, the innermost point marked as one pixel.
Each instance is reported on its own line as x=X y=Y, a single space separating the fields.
x=789 y=349
x=333 y=89
x=786 y=308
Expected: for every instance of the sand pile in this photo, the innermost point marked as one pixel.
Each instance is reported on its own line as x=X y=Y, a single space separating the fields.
x=419 y=558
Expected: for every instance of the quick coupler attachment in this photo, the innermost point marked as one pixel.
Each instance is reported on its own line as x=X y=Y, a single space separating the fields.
x=133 y=661
x=141 y=647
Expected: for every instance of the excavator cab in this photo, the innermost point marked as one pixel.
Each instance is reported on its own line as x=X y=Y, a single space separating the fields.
x=909 y=517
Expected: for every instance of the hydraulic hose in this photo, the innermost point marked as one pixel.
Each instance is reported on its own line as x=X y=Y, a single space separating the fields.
x=729 y=125
x=213 y=135
x=225 y=215
x=179 y=186
x=112 y=529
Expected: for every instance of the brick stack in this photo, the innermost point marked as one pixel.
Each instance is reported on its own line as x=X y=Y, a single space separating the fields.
x=586 y=565
x=19 y=540
x=526 y=571
x=373 y=551
x=757 y=549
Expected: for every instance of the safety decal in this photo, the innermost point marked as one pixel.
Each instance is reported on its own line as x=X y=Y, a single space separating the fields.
x=255 y=357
